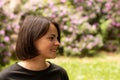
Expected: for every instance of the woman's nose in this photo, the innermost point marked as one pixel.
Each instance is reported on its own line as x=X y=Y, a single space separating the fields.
x=57 y=43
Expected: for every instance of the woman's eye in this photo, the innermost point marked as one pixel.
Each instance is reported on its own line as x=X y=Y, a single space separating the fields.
x=51 y=38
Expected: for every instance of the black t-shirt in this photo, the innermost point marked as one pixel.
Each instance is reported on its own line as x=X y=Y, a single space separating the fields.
x=16 y=72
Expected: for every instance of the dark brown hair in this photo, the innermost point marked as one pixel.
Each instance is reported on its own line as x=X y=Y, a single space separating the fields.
x=32 y=29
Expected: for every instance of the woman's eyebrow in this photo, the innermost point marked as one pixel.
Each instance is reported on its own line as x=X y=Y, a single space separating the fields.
x=53 y=35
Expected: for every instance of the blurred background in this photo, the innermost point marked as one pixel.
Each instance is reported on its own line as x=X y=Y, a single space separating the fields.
x=89 y=28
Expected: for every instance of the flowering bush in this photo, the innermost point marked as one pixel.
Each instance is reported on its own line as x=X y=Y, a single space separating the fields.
x=97 y=18
x=86 y=25
x=5 y=40
x=8 y=26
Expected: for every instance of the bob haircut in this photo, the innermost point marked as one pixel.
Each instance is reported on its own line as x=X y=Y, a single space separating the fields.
x=32 y=29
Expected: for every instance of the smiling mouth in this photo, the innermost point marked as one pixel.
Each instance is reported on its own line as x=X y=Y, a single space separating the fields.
x=54 y=50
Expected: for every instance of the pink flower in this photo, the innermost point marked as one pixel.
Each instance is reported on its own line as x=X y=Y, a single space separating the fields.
x=75 y=49
x=89 y=3
x=108 y=6
x=7 y=54
x=12 y=16
x=1 y=3
x=63 y=1
x=8 y=27
x=51 y=3
x=80 y=8
x=7 y=39
x=2 y=32
x=90 y=46
x=118 y=24
x=2 y=45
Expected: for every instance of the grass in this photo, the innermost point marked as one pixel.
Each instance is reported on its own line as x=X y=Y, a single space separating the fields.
x=97 y=68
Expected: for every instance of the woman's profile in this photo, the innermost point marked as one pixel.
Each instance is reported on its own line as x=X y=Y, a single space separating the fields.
x=38 y=40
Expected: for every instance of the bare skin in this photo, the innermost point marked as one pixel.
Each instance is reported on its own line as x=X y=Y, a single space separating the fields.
x=34 y=64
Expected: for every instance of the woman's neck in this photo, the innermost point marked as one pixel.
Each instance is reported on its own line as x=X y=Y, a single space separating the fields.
x=34 y=64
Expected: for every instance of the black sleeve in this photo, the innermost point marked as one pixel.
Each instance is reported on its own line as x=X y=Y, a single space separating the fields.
x=3 y=75
x=64 y=75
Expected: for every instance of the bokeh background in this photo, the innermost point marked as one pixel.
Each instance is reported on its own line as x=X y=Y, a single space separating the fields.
x=88 y=27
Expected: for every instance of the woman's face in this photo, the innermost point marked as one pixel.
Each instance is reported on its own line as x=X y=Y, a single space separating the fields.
x=48 y=44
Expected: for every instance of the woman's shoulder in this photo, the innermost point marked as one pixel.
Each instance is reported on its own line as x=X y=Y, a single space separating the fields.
x=6 y=72
x=61 y=70
x=56 y=67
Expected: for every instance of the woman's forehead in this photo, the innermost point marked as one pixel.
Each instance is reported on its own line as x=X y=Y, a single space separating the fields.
x=52 y=30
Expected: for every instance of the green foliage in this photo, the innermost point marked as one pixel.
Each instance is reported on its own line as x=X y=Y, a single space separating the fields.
x=104 y=28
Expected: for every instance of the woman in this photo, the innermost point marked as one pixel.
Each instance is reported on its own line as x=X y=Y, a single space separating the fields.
x=38 y=40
